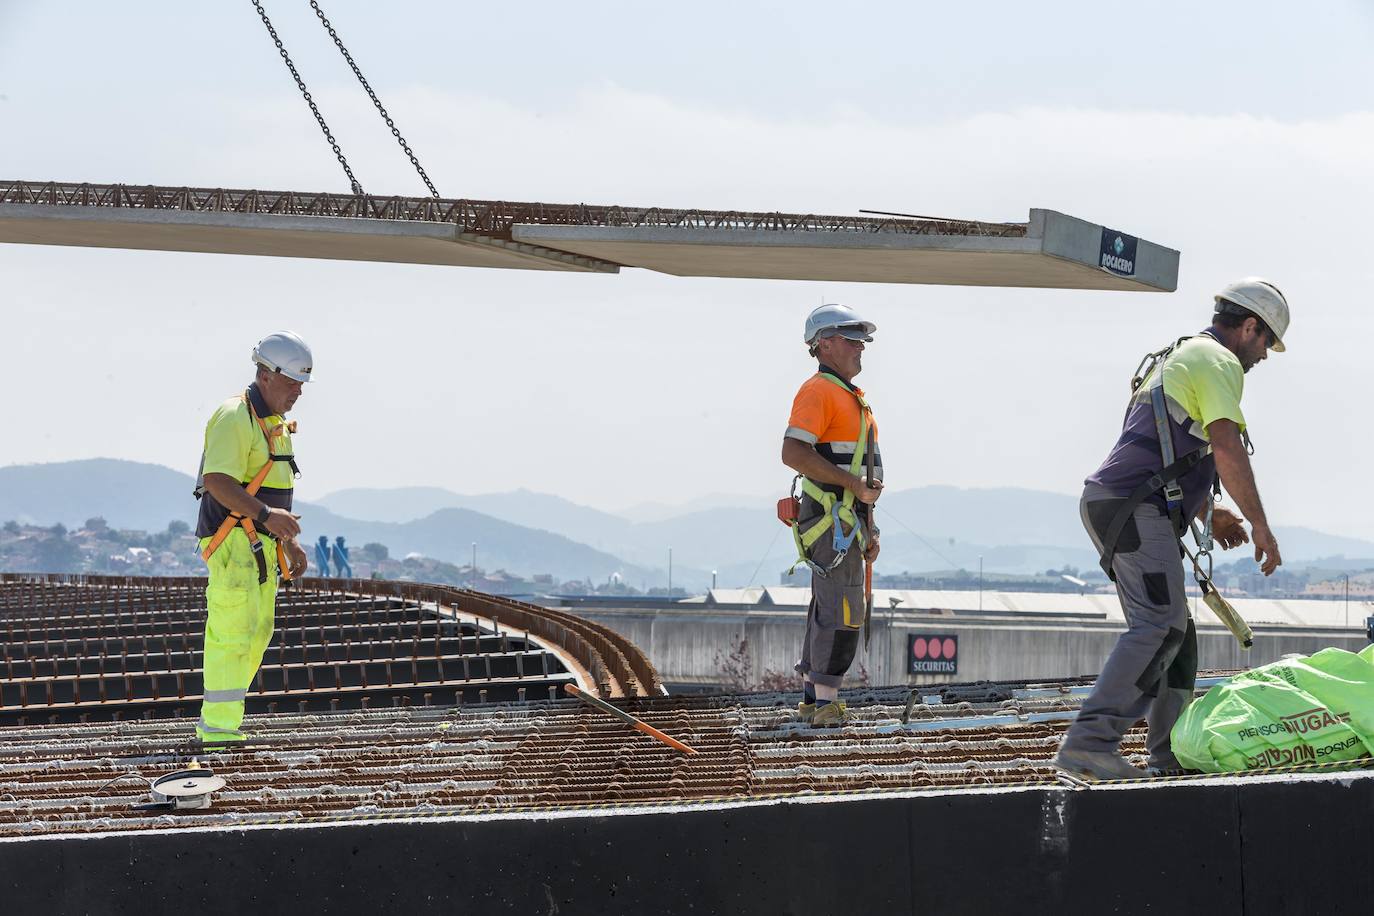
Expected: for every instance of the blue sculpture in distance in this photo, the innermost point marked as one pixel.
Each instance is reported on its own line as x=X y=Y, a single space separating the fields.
x=341 y=564
x=322 y=555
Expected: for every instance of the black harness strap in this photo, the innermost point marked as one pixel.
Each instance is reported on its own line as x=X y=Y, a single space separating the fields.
x=1139 y=495
x=295 y=471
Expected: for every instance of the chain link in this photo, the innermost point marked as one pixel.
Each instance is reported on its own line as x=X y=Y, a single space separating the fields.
x=333 y=144
x=395 y=131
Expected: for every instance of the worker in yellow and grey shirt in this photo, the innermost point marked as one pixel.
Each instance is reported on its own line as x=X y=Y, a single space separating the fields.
x=1182 y=435
x=246 y=530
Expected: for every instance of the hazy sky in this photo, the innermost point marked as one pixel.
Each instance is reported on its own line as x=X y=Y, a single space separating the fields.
x=1239 y=133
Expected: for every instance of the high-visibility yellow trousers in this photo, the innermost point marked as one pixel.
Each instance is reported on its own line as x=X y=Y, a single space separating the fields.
x=237 y=631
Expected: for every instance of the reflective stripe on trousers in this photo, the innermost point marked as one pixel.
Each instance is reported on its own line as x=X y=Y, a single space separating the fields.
x=238 y=628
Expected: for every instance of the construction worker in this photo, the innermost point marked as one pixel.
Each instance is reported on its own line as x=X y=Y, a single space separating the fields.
x=1138 y=505
x=322 y=554
x=246 y=529
x=829 y=437
x=341 y=564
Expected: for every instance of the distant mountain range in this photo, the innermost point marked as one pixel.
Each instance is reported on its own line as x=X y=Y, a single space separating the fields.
x=525 y=532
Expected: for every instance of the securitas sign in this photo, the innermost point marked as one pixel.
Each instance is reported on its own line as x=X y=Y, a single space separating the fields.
x=932 y=654
x=1118 y=253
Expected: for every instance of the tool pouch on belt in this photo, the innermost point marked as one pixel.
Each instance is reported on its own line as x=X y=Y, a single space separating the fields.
x=789 y=509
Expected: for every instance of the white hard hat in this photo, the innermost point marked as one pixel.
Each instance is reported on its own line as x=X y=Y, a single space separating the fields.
x=838 y=320
x=1262 y=299
x=286 y=353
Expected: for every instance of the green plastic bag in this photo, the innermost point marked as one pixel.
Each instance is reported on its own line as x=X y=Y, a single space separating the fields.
x=1293 y=712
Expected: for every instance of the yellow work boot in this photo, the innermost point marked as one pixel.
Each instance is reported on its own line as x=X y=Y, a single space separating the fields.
x=805 y=711
x=831 y=714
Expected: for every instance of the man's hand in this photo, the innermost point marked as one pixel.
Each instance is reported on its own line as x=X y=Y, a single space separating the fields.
x=282 y=525
x=1228 y=528
x=871 y=551
x=295 y=558
x=1266 y=550
x=863 y=492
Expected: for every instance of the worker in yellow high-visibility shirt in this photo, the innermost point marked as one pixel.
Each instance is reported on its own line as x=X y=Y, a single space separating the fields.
x=246 y=529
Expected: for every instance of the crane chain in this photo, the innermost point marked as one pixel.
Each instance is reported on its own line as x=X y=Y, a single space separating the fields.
x=395 y=131
x=334 y=144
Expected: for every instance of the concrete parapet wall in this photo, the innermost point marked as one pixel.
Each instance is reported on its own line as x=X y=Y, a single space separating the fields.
x=1252 y=847
x=686 y=645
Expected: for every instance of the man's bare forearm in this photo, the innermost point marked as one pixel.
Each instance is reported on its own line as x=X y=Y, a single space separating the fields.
x=804 y=459
x=229 y=494
x=1237 y=475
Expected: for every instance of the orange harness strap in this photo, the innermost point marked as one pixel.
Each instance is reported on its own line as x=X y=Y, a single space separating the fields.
x=234 y=520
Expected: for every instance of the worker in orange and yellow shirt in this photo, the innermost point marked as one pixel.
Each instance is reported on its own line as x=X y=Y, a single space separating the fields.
x=829 y=435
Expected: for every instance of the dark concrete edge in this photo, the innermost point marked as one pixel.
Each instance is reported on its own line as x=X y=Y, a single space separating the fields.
x=1218 y=781
x=1175 y=847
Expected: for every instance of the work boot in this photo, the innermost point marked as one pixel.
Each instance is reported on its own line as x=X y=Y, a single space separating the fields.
x=831 y=714
x=805 y=711
x=1157 y=770
x=1096 y=764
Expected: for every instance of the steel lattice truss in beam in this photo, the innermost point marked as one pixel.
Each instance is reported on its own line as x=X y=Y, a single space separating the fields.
x=1050 y=249
x=487 y=217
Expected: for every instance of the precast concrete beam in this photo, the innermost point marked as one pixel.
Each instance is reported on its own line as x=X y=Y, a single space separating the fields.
x=1050 y=250
x=1057 y=251
x=280 y=235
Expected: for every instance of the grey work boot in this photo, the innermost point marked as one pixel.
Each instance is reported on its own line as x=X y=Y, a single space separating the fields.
x=1096 y=764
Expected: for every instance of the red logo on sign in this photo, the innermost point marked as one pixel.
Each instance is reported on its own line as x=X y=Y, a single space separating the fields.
x=933 y=653
x=935 y=647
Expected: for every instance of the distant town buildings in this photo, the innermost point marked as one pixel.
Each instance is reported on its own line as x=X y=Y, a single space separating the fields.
x=95 y=547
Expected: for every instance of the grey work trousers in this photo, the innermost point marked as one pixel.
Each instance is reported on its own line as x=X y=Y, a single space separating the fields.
x=836 y=615
x=1153 y=667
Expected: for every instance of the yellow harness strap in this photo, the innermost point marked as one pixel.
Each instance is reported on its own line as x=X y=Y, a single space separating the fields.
x=806 y=539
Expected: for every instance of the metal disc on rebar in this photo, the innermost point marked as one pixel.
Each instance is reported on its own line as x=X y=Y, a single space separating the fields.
x=188 y=783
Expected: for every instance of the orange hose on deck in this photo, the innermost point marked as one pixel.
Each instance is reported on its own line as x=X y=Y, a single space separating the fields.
x=621 y=714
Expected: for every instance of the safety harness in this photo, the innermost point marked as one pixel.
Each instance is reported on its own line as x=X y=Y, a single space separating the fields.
x=234 y=520
x=1171 y=469
x=835 y=510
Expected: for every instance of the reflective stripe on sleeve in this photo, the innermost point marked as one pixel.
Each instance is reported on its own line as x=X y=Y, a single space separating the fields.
x=796 y=432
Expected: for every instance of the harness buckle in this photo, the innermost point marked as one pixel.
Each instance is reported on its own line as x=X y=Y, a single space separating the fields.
x=840 y=541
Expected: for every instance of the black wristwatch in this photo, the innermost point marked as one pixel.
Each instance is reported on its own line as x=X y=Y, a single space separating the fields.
x=264 y=515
